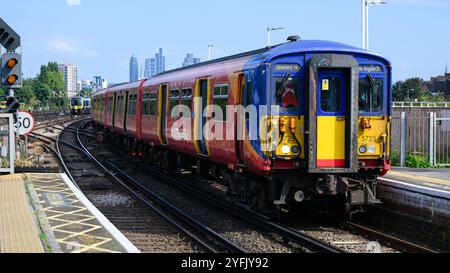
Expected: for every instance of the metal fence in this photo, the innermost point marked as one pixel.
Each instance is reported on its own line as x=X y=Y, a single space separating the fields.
x=423 y=132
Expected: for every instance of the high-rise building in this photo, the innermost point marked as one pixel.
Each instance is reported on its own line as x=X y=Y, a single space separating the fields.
x=152 y=67
x=134 y=69
x=70 y=73
x=155 y=66
x=190 y=60
x=147 y=70
x=98 y=80
x=160 y=62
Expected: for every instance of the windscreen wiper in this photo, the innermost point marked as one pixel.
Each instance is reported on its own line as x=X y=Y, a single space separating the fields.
x=283 y=83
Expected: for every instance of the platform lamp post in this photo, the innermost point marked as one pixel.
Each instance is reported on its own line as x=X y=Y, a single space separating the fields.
x=269 y=29
x=365 y=20
x=209 y=51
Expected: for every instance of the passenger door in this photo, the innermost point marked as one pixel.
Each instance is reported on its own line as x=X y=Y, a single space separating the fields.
x=125 y=112
x=163 y=106
x=331 y=118
x=204 y=95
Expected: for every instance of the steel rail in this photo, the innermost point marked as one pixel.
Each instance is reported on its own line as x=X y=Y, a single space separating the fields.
x=258 y=220
x=205 y=230
x=388 y=239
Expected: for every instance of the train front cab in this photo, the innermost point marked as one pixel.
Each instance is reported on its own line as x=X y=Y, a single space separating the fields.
x=341 y=124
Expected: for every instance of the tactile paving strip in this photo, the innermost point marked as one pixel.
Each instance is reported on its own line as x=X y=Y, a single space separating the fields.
x=72 y=224
x=18 y=230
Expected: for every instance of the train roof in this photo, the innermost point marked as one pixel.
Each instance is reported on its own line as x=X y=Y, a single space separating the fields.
x=267 y=54
x=313 y=46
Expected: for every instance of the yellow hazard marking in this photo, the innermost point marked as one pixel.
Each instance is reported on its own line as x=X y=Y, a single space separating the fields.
x=71 y=224
x=421 y=178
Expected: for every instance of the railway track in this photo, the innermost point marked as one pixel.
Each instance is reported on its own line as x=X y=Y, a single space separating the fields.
x=287 y=232
x=387 y=239
x=131 y=218
x=260 y=221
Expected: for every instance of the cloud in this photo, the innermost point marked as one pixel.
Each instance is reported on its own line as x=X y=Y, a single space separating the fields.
x=91 y=54
x=70 y=46
x=73 y=2
x=62 y=46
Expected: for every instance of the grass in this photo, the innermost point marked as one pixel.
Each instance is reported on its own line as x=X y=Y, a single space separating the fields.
x=412 y=160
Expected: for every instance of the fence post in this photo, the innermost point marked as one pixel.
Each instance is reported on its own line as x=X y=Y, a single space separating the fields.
x=403 y=140
x=431 y=137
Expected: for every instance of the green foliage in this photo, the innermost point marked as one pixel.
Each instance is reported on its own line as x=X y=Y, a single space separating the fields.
x=43 y=93
x=417 y=91
x=51 y=77
x=26 y=94
x=395 y=157
x=417 y=161
x=47 y=89
x=414 y=87
x=86 y=93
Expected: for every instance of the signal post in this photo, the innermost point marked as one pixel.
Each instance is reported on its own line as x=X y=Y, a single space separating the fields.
x=11 y=78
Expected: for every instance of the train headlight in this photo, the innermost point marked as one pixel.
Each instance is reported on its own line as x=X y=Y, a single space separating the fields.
x=362 y=149
x=295 y=149
x=372 y=149
x=285 y=149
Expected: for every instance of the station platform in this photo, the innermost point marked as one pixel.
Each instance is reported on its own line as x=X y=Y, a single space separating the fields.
x=430 y=181
x=47 y=213
x=421 y=192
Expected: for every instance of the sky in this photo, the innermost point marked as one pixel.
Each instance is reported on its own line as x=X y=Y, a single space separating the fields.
x=99 y=36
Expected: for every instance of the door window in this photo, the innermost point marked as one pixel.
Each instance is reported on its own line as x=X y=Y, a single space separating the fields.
x=330 y=94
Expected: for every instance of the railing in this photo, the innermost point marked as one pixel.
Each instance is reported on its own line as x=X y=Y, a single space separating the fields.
x=402 y=104
x=422 y=133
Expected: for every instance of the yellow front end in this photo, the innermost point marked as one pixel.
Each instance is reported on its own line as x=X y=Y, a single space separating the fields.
x=283 y=137
x=373 y=137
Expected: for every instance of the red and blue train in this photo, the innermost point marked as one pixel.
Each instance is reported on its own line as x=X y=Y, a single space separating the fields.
x=326 y=144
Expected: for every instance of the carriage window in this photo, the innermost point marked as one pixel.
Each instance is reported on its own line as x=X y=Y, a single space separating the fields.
x=153 y=104
x=221 y=98
x=110 y=104
x=287 y=90
x=370 y=94
x=145 y=103
x=130 y=105
x=174 y=98
x=330 y=95
x=186 y=97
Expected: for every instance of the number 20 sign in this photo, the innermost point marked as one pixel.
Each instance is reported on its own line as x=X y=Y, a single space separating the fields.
x=25 y=123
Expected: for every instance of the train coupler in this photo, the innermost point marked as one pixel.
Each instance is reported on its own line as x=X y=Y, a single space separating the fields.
x=363 y=196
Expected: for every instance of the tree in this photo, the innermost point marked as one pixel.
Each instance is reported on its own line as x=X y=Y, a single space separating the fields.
x=26 y=95
x=86 y=92
x=410 y=90
x=54 y=79
x=43 y=93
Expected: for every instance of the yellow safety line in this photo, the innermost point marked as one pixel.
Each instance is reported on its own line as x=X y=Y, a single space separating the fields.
x=421 y=178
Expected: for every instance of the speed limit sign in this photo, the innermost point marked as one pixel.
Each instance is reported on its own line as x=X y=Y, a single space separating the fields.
x=25 y=123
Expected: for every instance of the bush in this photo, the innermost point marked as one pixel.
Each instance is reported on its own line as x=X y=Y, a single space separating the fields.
x=395 y=157
x=417 y=161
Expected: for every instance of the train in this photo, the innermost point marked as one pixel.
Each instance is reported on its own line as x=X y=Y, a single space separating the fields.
x=312 y=129
x=80 y=105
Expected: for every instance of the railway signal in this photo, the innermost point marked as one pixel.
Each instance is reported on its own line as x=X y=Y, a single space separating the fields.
x=11 y=67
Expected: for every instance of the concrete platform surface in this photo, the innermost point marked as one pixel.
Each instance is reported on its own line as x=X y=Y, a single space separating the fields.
x=58 y=218
x=430 y=178
x=424 y=193
x=18 y=230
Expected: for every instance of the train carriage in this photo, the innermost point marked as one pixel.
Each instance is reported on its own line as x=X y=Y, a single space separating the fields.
x=328 y=136
x=80 y=105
